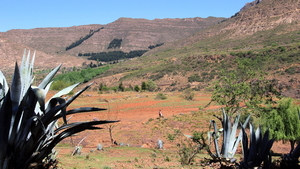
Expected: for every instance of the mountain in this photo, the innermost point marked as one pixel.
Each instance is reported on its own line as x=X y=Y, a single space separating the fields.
x=136 y=34
x=264 y=35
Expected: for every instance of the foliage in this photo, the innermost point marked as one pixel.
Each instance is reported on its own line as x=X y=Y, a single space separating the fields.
x=160 y=96
x=113 y=55
x=136 y=88
x=149 y=85
x=187 y=151
x=188 y=94
x=258 y=150
x=143 y=86
x=243 y=87
x=282 y=120
x=195 y=78
x=79 y=76
x=27 y=123
x=192 y=146
x=78 y=42
x=154 y=46
x=60 y=84
x=121 y=87
x=116 y=43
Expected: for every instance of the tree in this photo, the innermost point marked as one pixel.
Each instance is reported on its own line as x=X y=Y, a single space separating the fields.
x=243 y=88
x=121 y=87
x=143 y=86
x=151 y=85
x=283 y=121
x=137 y=88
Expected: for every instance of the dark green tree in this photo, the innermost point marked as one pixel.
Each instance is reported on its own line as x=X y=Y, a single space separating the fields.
x=137 y=88
x=144 y=86
x=121 y=87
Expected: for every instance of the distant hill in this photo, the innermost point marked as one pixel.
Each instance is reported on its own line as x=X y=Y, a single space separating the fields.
x=136 y=34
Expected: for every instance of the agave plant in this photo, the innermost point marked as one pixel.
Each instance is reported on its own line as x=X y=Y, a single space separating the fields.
x=258 y=150
x=230 y=139
x=27 y=124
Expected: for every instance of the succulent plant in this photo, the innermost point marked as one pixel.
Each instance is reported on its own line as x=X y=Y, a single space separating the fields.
x=258 y=150
x=28 y=131
x=230 y=138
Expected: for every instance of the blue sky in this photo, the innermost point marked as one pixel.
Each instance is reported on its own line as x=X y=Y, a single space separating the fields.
x=27 y=14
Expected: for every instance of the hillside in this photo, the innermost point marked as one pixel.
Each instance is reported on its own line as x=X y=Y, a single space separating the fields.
x=265 y=35
x=136 y=34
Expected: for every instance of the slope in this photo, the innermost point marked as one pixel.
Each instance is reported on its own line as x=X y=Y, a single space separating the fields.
x=265 y=35
x=136 y=34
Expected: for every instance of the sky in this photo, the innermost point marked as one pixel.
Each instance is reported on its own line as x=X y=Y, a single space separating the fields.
x=28 y=14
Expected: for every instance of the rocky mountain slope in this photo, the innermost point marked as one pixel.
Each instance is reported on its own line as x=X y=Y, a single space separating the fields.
x=258 y=31
x=277 y=17
x=136 y=34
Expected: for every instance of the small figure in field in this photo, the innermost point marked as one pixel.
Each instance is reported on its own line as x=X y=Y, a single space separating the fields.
x=160 y=114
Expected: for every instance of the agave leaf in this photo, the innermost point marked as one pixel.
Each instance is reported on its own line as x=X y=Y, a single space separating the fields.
x=74 y=128
x=77 y=94
x=215 y=137
x=26 y=69
x=188 y=136
x=233 y=140
x=49 y=77
x=84 y=109
x=3 y=86
x=226 y=134
x=259 y=148
x=245 y=144
x=5 y=115
x=48 y=117
x=252 y=147
x=65 y=90
x=41 y=96
x=239 y=138
x=16 y=86
x=70 y=125
x=265 y=147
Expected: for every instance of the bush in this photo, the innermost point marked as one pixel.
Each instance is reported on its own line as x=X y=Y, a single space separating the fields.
x=188 y=94
x=80 y=76
x=195 y=78
x=160 y=96
x=59 y=84
x=136 y=88
x=151 y=85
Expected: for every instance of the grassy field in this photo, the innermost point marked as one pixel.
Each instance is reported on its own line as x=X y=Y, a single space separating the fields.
x=139 y=130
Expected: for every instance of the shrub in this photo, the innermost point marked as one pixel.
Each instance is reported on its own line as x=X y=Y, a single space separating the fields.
x=137 y=88
x=188 y=94
x=194 y=78
x=160 y=96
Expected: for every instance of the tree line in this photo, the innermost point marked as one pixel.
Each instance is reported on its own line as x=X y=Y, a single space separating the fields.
x=78 y=42
x=116 y=43
x=154 y=46
x=113 y=55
